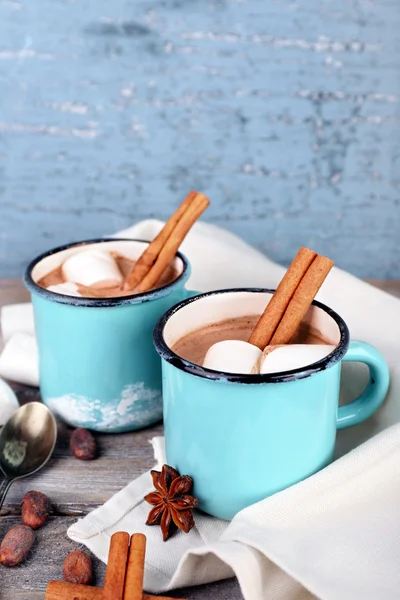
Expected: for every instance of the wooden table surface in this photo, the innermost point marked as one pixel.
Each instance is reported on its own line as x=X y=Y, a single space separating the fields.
x=122 y=458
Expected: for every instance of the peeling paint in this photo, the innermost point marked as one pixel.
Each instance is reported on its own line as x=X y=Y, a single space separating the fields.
x=47 y=130
x=287 y=114
x=24 y=53
x=78 y=109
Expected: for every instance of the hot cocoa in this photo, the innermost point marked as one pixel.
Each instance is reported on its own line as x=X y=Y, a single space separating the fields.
x=57 y=277
x=195 y=345
x=94 y=272
x=277 y=340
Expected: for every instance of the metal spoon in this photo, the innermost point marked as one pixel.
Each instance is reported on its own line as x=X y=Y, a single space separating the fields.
x=27 y=441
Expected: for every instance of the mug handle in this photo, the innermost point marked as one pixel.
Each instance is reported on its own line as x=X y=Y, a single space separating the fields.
x=374 y=394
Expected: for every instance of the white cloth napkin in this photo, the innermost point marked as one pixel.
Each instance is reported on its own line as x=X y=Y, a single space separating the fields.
x=334 y=536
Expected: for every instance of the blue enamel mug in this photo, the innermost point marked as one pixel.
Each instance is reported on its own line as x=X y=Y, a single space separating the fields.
x=97 y=364
x=244 y=437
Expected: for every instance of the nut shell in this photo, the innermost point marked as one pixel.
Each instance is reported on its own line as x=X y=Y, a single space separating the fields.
x=77 y=568
x=35 y=509
x=15 y=545
x=83 y=444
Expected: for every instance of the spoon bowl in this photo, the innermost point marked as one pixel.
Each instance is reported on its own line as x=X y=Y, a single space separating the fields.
x=27 y=441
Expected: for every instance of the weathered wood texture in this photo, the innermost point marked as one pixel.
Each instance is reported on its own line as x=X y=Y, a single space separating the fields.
x=286 y=113
x=28 y=581
x=122 y=458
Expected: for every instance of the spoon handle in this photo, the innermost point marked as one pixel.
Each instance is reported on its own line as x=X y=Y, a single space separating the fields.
x=4 y=487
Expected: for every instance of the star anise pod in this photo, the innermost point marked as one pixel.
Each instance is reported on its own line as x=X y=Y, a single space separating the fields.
x=171 y=502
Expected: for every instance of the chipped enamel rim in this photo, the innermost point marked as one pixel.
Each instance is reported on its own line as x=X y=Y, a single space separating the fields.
x=291 y=375
x=102 y=302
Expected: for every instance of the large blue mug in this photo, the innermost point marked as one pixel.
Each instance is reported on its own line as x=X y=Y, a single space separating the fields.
x=97 y=364
x=245 y=437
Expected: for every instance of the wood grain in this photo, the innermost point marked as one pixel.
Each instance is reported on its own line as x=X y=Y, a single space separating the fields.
x=28 y=581
x=122 y=458
x=286 y=114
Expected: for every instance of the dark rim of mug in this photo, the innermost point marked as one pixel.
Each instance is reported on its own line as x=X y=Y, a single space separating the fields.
x=99 y=302
x=291 y=375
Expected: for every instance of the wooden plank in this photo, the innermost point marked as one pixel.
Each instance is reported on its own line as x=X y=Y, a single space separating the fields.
x=45 y=559
x=13 y=291
x=28 y=581
x=122 y=457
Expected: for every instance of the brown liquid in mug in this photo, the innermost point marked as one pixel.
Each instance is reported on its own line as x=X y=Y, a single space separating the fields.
x=125 y=265
x=195 y=345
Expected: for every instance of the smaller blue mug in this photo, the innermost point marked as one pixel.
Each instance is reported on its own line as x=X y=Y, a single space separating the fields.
x=97 y=364
x=245 y=437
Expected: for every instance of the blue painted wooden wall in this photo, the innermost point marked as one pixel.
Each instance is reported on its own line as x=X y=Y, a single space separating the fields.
x=287 y=113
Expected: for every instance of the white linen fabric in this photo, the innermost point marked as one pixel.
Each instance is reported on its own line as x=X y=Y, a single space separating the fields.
x=334 y=536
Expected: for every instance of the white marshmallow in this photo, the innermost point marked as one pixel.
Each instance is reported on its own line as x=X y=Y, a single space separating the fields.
x=19 y=360
x=92 y=266
x=8 y=402
x=232 y=356
x=17 y=318
x=291 y=356
x=68 y=288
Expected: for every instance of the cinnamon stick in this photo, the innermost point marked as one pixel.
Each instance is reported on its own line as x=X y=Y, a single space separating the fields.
x=149 y=256
x=116 y=567
x=302 y=299
x=275 y=309
x=196 y=207
x=149 y=597
x=61 y=590
x=124 y=577
x=135 y=570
